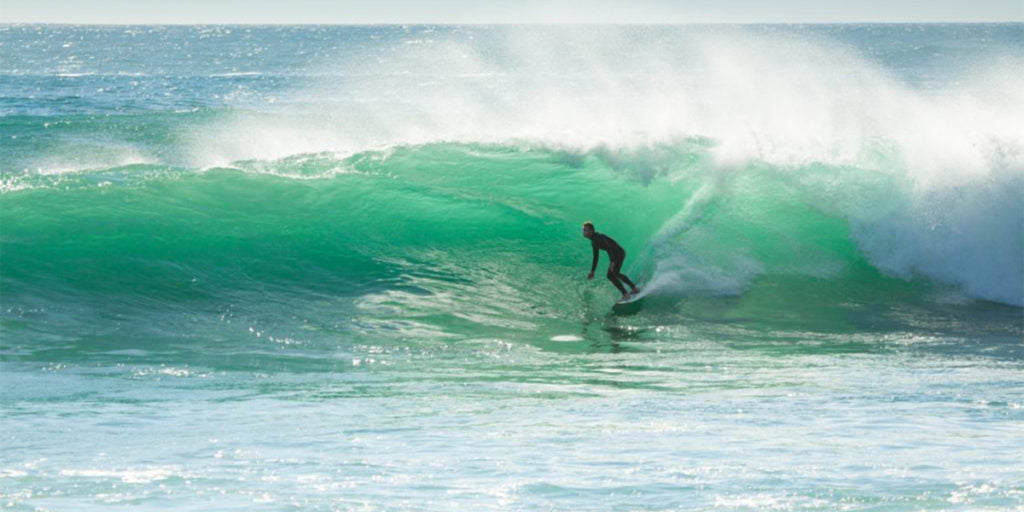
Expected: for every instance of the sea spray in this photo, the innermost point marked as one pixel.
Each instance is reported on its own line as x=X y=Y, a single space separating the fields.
x=769 y=100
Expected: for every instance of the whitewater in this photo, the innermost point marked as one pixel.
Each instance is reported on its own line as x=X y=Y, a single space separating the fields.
x=340 y=268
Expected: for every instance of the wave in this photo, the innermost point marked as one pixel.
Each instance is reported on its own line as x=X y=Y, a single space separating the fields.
x=507 y=217
x=721 y=157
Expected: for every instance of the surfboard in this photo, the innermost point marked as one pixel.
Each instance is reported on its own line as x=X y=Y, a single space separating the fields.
x=629 y=307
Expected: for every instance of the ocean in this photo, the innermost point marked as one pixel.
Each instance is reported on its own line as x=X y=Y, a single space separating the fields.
x=272 y=268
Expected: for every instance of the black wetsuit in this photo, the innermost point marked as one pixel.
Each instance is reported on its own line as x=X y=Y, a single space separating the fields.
x=616 y=254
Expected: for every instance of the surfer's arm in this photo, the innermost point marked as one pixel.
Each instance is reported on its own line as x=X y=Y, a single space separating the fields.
x=593 y=266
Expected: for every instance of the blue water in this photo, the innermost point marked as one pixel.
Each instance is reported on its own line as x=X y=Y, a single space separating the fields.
x=340 y=268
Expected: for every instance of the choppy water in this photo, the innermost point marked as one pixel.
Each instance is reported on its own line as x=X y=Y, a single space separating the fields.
x=340 y=268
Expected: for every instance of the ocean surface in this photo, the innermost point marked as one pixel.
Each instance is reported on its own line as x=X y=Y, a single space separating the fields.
x=275 y=268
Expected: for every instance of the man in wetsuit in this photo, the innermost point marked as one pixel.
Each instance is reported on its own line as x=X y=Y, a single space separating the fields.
x=615 y=253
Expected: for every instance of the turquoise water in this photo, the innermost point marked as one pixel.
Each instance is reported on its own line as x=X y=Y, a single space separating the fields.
x=340 y=268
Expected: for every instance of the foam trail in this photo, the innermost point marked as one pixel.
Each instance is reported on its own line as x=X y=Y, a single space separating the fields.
x=673 y=271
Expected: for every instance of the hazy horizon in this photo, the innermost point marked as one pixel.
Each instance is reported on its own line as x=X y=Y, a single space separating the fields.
x=466 y=12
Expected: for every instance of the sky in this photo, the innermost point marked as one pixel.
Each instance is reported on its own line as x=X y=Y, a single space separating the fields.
x=507 y=11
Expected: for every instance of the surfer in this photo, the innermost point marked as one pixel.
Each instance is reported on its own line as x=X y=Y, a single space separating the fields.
x=616 y=254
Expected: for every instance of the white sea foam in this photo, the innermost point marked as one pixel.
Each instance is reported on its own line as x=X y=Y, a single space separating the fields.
x=774 y=98
x=130 y=476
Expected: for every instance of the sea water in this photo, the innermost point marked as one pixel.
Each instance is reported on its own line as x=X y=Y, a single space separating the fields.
x=341 y=268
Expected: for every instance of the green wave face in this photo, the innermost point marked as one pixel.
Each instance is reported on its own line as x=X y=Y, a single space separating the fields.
x=452 y=240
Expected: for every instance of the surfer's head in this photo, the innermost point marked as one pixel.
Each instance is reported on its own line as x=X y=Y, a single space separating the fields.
x=588 y=229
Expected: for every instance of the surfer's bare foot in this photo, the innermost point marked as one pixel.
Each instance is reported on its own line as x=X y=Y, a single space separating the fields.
x=635 y=290
x=625 y=297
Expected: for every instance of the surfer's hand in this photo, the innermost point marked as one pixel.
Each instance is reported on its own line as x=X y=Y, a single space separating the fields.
x=590 y=275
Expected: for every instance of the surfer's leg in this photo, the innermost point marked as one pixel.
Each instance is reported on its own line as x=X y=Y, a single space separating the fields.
x=619 y=275
x=613 y=276
x=618 y=285
x=627 y=281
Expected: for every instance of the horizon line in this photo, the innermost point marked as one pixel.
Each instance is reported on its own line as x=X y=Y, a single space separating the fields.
x=502 y=23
